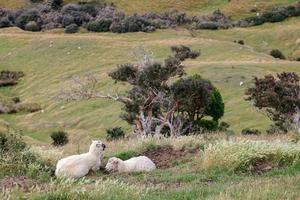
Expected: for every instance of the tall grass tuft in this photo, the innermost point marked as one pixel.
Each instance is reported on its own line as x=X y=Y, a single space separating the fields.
x=244 y=155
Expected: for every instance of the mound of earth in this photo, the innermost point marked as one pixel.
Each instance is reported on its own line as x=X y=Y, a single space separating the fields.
x=22 y=182
x=164 y=157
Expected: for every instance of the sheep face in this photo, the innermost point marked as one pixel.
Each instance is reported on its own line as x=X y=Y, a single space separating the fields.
x=113 y=164
x=97 y=146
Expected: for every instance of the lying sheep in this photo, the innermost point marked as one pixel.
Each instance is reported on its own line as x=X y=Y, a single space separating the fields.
x=135 y=164
x=77 y=166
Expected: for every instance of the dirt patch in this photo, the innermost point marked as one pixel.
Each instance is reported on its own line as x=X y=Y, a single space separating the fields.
x=165 y=157
x=261 y=167
x=22 y=182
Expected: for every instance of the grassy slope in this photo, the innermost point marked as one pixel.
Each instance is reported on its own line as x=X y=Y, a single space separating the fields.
x=187 y=178
x=48 y=69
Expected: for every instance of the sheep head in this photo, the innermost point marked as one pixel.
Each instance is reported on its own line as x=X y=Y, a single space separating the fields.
x=97 y=147
x=113 y=164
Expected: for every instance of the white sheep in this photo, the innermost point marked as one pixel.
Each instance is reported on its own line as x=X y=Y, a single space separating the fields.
x=77 y=166
x=135 y=164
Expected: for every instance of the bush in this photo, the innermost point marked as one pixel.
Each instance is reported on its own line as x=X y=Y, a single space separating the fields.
x=28 y=16
x=99 y=26
x=17 y=159
x=67 y=20
x=89 y=8
x=273 y=16
x=241 y=42
x=277 y=54
x=115 y=133
x=133 y=23
x=32 y=26
x=206 y=125
x=248 y=131
x=126 y=154
x=274 y=130
x=36 y=1
x=223 y=126
x=208 y=25
x=72 y=28
x=59 y=138
x=5 y=22
x=255 y=21
x=298 y=59
x=54 y=4
x=216 y=107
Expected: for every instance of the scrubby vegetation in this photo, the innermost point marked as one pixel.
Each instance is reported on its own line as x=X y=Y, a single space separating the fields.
x=59 y=138
x=115 y=133
x=101 y=17
x=17 y=159
x=279 y=98
x=249 y=131
x=72 y=28
x=277 y=54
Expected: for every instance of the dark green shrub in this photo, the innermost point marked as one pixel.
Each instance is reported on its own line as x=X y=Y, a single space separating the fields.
x=276 y=53
x=5 y=22
x=223 y=126
x=32 y=26
x=241 y=42
x=59 y=138
x=16 y=99
x=256 y=20
x=126 y=154
x=28 y=16
x=72 y=28
x=54 y=4
x=208 y=25
x=249 y=131
x=206 y=125
x=273 y=16
x=36 y=1
x=274 y=130
x=115 y=133
x=133 y=23
x=99 y=26
x=216 y=107
x=298 y=59
x=67 y=20
x=89 y=8
x=11 y=143
x=118 y=27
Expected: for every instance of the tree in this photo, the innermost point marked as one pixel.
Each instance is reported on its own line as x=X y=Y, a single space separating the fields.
x=197 y=97
x=278 y=97
x=152 y=104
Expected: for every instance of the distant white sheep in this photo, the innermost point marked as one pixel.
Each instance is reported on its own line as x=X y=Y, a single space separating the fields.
x=135 y=164
x=77 y=166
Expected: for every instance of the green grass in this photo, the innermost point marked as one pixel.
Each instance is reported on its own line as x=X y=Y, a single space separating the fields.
x=188 y=180
x=49 y=69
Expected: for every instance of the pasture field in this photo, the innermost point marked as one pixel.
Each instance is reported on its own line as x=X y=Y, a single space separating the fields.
x=50 y=67
x=216 y=166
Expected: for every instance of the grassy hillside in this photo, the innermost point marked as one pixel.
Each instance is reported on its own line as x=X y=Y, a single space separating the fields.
x=48 y=69
x=234 y=8
x=185 y=173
